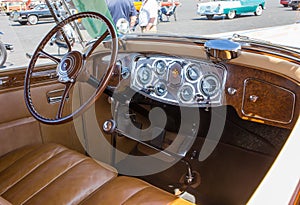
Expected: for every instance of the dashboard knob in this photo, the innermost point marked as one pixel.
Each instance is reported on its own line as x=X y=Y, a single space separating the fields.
x=109 y=126
x=231 y=91
x=125 y=73
x=199 y=98
x=253 y=98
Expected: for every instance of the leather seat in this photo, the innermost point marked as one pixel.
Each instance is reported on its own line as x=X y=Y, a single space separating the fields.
x=53 y=174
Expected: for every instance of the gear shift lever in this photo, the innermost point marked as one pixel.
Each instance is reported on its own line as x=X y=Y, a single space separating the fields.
x=109 y=126
x=189 y=175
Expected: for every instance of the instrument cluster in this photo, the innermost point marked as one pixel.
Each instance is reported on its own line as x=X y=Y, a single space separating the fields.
x=178 y=81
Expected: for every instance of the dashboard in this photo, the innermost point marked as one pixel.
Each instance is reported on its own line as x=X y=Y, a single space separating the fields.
x=197 y=82
x=177 y=80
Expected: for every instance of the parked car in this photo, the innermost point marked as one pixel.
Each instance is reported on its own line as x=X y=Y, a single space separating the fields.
x=230 y=8
x=11 y=6
x=285 y=3
x=294 y=4
x=40 y=12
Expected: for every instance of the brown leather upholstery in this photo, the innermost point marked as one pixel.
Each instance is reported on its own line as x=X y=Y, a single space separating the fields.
x=52 y=174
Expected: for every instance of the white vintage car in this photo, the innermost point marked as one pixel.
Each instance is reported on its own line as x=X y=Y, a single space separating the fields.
x=230 y=8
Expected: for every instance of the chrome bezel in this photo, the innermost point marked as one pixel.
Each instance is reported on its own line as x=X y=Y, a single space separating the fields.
x=198 y=71
x=179 y=96
x=154 y=66
x=216 y=90
x=138 y=80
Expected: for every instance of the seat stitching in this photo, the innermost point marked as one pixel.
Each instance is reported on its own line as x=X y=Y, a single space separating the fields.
x=25 y=155
x=54 y=179
x=135 y=194
x=103 y=186
x=96 y=190
x=19 y=157
x=28 y=173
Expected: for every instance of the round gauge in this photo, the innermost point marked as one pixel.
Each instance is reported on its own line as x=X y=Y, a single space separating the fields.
x=160 y=89
x=210 y=85
x=192 y=72
x=160 y=67
x=186 y=93
x=144 y=74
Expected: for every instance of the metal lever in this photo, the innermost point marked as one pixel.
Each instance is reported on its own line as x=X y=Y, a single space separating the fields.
x=109 y=126
x=189 y=174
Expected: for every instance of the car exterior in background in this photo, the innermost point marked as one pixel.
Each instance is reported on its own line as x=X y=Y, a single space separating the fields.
x=230 y=8
x=284 y=3
x=294 y=4
x=39 y=12
x=9 y=7
x=137 y=4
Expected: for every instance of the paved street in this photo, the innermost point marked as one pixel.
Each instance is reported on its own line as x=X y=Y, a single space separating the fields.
x=188 y=22
x=26 y=38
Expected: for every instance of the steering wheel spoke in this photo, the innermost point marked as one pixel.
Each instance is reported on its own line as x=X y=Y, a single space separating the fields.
x=64 y=98
x=67 y=40
x=72 y=67
x=44 y=54
x=94 y=46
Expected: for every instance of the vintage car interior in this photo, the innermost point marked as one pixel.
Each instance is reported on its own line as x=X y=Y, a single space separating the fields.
x=144 y=119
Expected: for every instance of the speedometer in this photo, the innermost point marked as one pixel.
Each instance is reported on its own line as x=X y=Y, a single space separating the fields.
x=210 y=85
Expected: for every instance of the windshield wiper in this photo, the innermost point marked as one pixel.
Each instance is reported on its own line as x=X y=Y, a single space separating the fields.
x=243 y=38
x=250 y=41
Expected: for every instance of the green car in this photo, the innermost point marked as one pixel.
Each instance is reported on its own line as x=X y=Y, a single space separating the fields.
x=230 y=8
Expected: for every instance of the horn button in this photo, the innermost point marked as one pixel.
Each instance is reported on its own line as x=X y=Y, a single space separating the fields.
x=69 y=67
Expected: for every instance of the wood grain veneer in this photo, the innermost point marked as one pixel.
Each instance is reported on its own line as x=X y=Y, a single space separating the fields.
x=277 y=102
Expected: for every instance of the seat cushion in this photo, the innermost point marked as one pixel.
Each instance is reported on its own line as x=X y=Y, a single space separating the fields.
x=53 y=174
x=32 y=174
x=128 y=190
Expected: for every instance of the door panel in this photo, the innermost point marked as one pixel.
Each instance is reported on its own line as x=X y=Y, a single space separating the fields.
x=17 y=126
x=17 y=133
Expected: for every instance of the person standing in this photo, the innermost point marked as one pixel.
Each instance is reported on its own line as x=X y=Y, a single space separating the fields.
x=148 y=16
x=122 y=9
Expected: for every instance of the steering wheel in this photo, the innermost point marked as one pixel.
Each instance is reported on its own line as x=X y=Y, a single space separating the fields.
x=72 y=66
